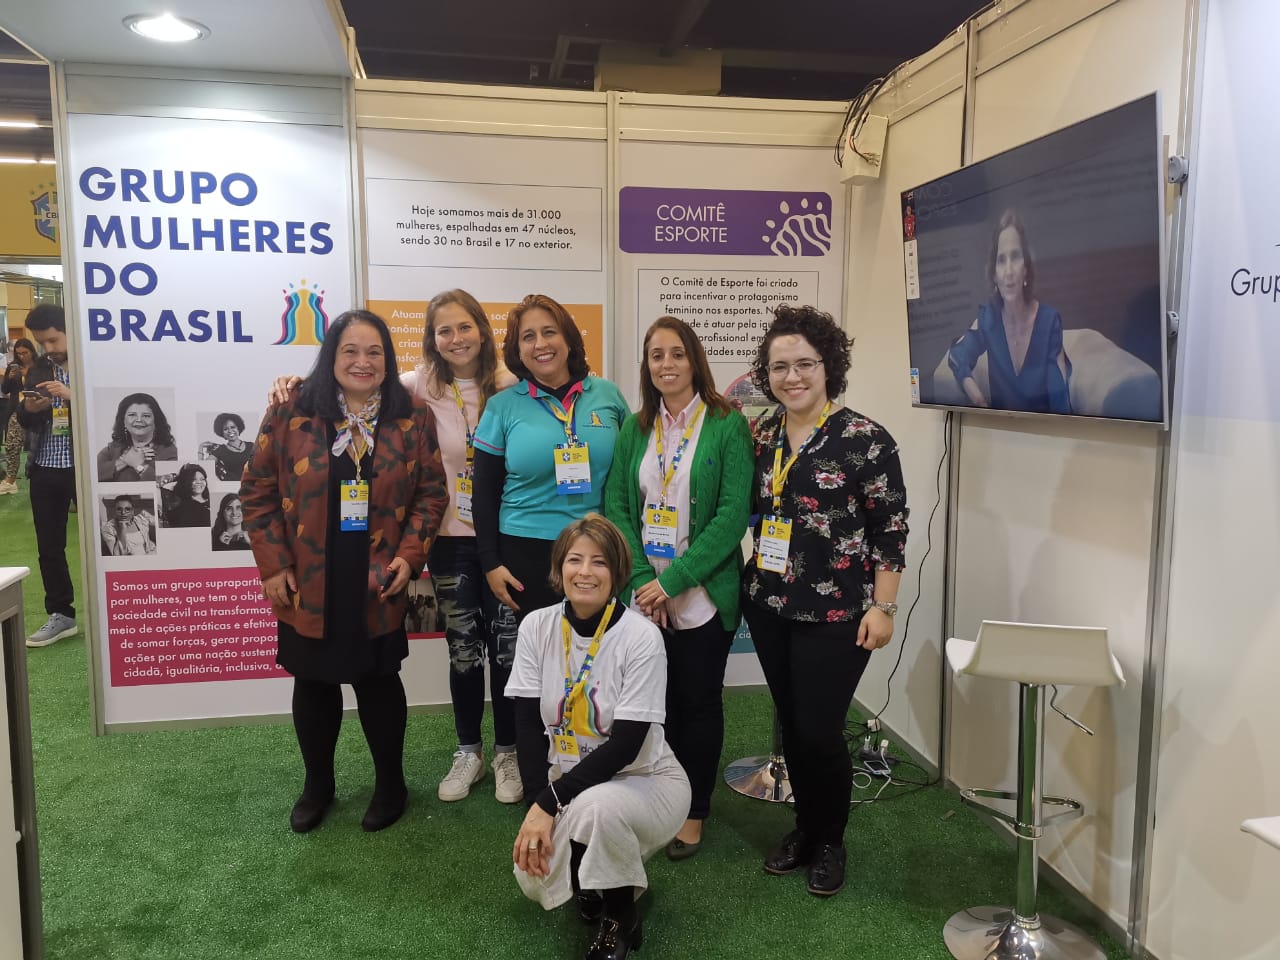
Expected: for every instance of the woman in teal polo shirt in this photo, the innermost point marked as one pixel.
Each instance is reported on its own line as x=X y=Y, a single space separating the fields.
x=543 y=452
x=680 y=491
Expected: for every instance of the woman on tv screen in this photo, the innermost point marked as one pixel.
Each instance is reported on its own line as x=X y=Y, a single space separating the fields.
x=1027 y=367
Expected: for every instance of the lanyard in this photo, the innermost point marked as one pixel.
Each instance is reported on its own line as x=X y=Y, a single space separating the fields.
x=780 y=472
x=357 y=455
x=566 y=416
x=471 y=434
x=573 y=689
x=668 y=472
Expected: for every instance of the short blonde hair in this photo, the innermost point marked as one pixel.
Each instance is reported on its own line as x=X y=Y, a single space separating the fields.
x=606 y=536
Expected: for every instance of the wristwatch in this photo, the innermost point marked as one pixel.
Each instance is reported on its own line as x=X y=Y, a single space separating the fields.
x=883 y=606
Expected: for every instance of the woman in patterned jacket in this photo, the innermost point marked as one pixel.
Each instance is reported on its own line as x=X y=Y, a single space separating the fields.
x=819 y=591
x=342 y=498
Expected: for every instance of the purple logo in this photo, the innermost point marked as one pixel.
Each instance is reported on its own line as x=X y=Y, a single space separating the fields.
x=750 y=223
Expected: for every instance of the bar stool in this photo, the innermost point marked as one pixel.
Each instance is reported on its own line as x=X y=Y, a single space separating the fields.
x=1266 y=829
x=1033 y=656
x=764 y=778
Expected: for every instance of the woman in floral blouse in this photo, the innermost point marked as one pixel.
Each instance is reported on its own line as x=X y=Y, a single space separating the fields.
x=830 y=530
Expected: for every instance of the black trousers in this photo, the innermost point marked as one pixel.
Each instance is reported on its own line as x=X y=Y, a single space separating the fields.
x=812 y=670
x=529 y=561
x=317 y=718
x=52 y=491
x=695 y=705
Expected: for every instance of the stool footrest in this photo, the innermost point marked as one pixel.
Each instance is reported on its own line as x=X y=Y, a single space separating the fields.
x=1032 y=831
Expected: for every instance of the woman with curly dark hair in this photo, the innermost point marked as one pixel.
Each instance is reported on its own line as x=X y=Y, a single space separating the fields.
x=830 y=529
x=140 y=436
x=229 y=456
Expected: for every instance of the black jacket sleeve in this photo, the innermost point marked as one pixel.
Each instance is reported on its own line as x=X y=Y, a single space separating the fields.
x=489 y=476
x=603 y=764
x=531 y=749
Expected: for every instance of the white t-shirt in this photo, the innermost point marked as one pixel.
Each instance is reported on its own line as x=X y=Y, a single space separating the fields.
x=628 y=680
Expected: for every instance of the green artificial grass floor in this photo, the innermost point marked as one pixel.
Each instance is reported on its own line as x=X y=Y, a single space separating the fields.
x=175 y=844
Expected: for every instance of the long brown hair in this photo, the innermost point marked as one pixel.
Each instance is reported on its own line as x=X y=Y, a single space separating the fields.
x=578 y=368
x=438 y=366
x=703 y=383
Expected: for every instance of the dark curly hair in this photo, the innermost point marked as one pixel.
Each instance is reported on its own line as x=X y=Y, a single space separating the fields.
x=222 y=419
x=823 y=334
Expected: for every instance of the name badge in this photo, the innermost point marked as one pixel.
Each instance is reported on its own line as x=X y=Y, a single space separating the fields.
x=61 y=421
x=353 y=507
x=573 y=469
x=775 y=544
x=565 y=747
x=462 y=498
x=660 y=532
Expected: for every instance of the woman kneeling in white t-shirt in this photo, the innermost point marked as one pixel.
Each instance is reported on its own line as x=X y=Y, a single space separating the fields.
x=592 y=675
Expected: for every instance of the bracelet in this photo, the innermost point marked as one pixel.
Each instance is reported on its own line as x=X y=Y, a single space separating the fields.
x=555 y=796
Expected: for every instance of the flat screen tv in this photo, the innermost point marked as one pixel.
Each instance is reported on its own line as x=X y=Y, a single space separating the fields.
x=1033 y=277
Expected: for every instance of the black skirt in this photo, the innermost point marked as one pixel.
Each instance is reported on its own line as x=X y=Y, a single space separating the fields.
x=345 y=654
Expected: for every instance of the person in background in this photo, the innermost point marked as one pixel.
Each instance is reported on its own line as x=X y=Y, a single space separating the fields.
x=342 y=498
x=1027 y=367
x=190 y=503
x=608 y=792
x=45 y=415
x=14 y=382
x=128 y=532
x=229 y=456
x=228 y=525
x=140 y=436
x=680 y=491
x=820 y=590
x=543 y=451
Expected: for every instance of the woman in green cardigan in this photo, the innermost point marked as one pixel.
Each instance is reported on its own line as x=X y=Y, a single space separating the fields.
x=680 y=491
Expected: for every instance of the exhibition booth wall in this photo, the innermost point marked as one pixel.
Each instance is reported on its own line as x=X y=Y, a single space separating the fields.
x=1068 y=522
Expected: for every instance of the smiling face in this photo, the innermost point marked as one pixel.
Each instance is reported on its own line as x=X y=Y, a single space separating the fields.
x=458 y=339
x=361 y=364
x=670 y=369
x=1011 y=266
x=198 y=485
x=230 y=432
x=123 y=510
x=585 y=575
x=543 y=349
x=802 y=393
x=233 y=513
x=140 y=422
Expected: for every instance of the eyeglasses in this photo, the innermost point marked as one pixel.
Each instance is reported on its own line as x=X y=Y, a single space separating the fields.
x=802 y=367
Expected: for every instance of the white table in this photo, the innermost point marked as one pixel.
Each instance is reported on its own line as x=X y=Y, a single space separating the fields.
x=21 y=934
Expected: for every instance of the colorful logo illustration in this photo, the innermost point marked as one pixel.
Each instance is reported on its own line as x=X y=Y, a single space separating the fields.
x=44 y=208
x=304 y=321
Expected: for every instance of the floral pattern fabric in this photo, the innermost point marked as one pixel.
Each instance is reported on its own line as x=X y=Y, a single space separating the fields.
x=847 y=505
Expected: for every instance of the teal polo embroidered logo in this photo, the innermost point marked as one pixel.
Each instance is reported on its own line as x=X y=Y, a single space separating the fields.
x=595 y=419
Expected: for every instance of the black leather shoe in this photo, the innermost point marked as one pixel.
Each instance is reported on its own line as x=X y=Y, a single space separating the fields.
x=308 y=813
x=384 y=811
x=612 y=943
x=826 y=873
x=794 y=851
x=590 y=906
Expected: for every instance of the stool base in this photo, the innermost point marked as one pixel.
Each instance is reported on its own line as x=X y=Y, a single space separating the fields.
x=764 y=778
x=990 y=933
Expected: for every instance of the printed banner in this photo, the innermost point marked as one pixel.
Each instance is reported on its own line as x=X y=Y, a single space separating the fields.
x=212 y=256
x=28 y=211
x=742 y=223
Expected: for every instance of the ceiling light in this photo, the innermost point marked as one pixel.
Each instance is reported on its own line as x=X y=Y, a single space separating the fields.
x=20 y=124
x=166 y=28
x=24 y=160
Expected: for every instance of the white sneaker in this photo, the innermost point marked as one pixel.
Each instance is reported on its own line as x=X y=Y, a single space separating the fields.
x=56 y=628
x=468 y=768
x=8 y=486
x=507 y=787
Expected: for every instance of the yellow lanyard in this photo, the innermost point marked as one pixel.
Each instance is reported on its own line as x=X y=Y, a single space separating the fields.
x=471 y=436
x=780 y=472
x=670 y=471
x=565 y=415
x=356 y=450
x=573 y=689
